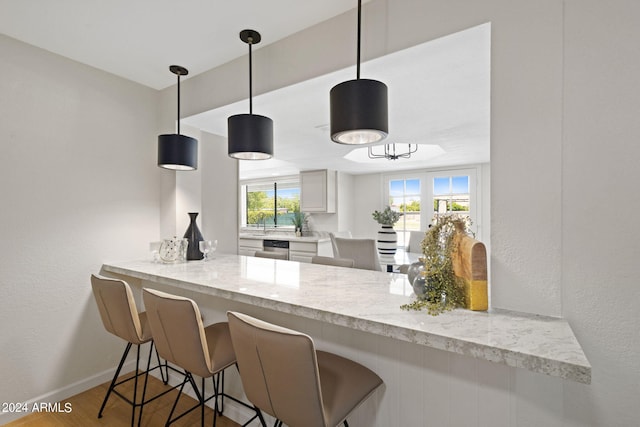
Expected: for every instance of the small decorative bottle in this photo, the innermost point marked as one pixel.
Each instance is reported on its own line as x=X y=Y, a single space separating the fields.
x=194 y=237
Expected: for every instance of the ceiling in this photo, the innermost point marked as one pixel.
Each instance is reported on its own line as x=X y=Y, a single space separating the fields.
x=139 y=39
x=438 y=92
x=439 y=98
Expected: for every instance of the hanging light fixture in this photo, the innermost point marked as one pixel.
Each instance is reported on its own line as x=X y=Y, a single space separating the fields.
x=175 y=151
x=390 y=152
x=359 y=107
x=250 y=136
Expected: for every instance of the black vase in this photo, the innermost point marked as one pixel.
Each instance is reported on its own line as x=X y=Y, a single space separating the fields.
x=194 y=236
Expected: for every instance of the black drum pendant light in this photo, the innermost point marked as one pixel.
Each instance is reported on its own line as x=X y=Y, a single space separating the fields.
x=359 y=107
x=250 y=135
x=175 y=151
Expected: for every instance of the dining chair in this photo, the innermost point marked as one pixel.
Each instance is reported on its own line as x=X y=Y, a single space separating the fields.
x=120 y=317
x=182 y=339
x=341 y=234
x=415 y=241
x=284 y=375
x=363 y=252
x=270 y=254
x=337 y=262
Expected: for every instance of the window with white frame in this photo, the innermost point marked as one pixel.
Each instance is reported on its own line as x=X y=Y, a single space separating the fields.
x=269 y=203
x=423 y=196
x=405 y=197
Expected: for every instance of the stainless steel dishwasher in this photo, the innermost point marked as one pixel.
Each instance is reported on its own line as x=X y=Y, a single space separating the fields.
x=280 y=246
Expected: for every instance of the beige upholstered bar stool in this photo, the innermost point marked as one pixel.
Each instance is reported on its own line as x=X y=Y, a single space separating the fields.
x=337 y=262
x=270 y=254
x=120 y=317
x=285 y=376
x=182 y=339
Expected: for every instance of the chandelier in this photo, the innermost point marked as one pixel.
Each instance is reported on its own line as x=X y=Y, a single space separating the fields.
x=390 y=152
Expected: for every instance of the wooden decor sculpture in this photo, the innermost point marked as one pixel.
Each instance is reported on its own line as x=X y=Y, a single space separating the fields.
x=470 y=264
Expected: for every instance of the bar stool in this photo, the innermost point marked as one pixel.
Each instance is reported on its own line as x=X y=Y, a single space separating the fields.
x=182 y=339
x=120 y=317
x=285 y=376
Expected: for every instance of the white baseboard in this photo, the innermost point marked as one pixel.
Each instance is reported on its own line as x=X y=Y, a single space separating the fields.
x=66 y=392
x=232 y=410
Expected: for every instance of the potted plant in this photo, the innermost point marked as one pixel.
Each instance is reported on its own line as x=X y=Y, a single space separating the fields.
x=437 y=287
x=387 y=236
x=298 y=221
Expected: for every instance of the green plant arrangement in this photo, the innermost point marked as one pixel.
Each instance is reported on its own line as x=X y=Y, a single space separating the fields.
x=298 y=219
x=443 y=290
x=387 y=216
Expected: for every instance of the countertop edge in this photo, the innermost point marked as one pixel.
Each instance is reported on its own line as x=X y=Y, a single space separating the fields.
x=580 y=373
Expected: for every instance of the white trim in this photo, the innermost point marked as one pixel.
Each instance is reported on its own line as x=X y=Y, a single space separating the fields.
x=232 y=410
x=426 y=190
x=68 y=391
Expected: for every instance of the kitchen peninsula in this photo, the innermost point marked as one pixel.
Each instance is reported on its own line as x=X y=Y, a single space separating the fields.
x=357 y=312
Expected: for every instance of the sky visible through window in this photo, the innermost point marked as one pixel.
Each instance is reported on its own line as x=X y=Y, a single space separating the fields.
x=451 y=185
x=396 y=187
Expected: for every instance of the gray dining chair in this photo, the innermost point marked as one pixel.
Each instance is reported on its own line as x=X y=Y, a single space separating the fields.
x=415 y=241
x=337 y=262
x=341 y=234
x=363 y=252
x=272 y=255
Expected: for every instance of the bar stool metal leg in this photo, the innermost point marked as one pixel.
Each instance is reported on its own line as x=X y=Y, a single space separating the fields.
x=115 y=377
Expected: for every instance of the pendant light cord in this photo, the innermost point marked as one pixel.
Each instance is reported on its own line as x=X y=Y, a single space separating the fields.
x=358 y=54
x=178 y=103
x=250 y=79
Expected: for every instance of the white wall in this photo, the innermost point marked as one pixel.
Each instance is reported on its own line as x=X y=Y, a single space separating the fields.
x=564 y=138
x=600 y=153
x=562 y=89
x=78 y=186
x=368 y=189
x=346 y=203
x=219 y=193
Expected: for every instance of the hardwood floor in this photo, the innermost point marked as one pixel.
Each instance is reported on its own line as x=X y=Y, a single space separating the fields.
x=85 y=406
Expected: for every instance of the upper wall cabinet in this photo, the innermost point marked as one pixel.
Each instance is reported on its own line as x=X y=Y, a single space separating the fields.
x=318 y=191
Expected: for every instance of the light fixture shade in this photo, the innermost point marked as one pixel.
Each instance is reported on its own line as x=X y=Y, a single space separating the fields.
x=250 y=137
x=359 y=112
x=177 y=152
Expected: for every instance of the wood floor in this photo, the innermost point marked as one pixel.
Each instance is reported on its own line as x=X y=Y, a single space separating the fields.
x=85 y=407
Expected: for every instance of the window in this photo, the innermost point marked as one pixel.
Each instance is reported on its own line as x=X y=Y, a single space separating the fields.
x=422 y=196
x=451 y=195
x=404 y=196
x=269 y=203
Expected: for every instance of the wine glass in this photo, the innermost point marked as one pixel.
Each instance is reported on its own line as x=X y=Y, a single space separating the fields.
x=154 y=249
x=207 y=246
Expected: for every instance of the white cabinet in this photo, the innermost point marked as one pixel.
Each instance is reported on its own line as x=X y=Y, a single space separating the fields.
x=318 y=191
x=249 y=246
x=304 y=251
x=299 y=250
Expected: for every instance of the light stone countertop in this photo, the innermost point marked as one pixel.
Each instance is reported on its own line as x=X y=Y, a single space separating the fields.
x=280 y=236
x=370 y=301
